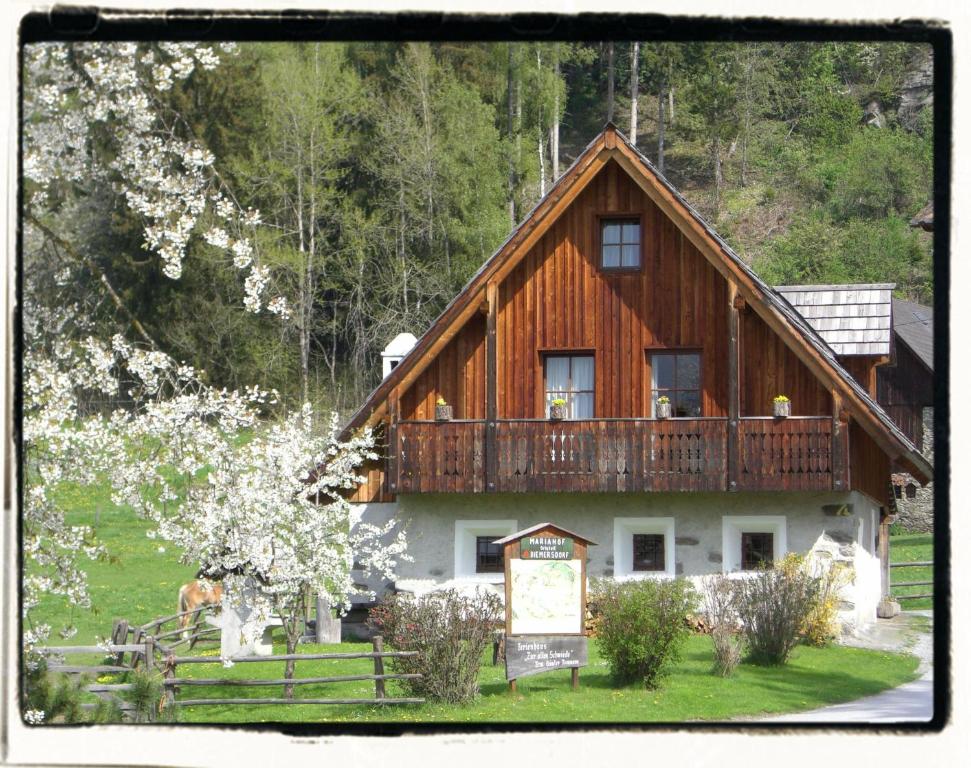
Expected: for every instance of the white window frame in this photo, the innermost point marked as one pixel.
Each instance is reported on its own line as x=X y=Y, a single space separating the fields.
x=624 y=530
x=466 y=532
x=733 y=526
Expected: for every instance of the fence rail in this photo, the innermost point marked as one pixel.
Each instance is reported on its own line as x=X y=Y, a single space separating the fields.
x=152 y=656
x=172 y=682
x=913 y=564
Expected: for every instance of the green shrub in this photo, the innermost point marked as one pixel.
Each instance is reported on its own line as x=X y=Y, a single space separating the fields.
x=642 y=626
x=145 y=694
x=773 y=606
x=449 y=632
x=718 y=602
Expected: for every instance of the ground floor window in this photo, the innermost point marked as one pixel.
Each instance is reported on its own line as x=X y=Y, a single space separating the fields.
x=750 y=542
x=648 y=551
x=476 y=557
x=643 y=547
x=757 y=551
x=488 y=556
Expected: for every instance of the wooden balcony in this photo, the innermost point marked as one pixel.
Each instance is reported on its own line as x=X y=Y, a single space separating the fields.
x=617 y=455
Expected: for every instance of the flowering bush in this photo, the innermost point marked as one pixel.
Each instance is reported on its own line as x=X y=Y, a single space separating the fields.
x=642 y=627
x=820 y=625
x=449 y=631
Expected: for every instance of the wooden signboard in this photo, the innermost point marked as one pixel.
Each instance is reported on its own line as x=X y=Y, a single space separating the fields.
x=546 y=599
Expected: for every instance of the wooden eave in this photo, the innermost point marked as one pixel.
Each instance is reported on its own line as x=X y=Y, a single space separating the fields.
x=777 y=313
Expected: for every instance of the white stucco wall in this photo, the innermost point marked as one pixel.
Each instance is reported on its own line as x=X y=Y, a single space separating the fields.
x=699 y=532
x=379 y=515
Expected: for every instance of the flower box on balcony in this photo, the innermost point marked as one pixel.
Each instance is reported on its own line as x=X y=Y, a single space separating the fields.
x=781 y=407
x=443 y=412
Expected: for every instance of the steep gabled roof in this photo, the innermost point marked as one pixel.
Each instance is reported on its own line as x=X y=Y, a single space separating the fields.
x=771 y=307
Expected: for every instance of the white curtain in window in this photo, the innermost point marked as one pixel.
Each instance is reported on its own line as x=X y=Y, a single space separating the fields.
x=582 y=401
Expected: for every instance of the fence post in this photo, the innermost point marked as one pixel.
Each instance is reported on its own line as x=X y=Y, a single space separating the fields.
x=168 y=691
x=119 y=636
x=136 y=639
x=378 y=643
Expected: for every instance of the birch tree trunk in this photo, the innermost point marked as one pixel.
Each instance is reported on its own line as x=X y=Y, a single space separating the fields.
x=510 y=101
x=555 y=127
x=634 y=65
x=660 y=128
x=610 y=82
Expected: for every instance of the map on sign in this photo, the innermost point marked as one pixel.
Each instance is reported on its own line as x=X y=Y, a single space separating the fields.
x=545 y=597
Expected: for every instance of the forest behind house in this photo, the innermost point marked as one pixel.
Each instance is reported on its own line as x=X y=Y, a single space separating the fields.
x=386 y=174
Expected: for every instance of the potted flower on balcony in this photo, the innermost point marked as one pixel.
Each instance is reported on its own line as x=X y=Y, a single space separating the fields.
x=781 y=407
x=443 y=411
x=558 y=409
x=663 y=407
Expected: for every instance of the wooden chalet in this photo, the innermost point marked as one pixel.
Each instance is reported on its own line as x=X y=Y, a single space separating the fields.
x=611 y=294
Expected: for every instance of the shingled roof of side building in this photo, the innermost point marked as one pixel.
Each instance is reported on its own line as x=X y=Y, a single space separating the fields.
x=913 y=325
x=852 y=319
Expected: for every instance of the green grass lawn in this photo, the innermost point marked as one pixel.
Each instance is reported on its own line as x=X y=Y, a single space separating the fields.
x=140 y=583
x=906 y=548
x=815 y=677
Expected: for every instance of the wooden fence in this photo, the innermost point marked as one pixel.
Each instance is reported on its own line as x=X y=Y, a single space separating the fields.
x=148 y=655
x=915 y=564
x=141 y=653
x=793 y=454
x=173 y=682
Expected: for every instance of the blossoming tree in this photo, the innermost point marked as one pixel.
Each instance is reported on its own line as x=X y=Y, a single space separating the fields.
x=261 y=503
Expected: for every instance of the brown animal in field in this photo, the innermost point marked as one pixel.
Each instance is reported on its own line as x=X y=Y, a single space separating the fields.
x=193 y=595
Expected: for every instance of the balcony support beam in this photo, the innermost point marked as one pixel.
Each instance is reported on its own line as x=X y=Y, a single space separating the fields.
x=394 y=451
x=839 y=450
x=733 y=400
x=491 y=451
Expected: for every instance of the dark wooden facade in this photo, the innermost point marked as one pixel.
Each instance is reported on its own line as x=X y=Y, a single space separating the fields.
x=904 y=389
x=555 y=299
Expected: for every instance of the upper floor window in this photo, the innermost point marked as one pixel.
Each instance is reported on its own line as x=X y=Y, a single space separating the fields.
x=677 y=376
x=570 y=378
x=620 y=243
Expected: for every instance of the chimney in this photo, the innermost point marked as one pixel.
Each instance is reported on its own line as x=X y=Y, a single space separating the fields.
x=394 y=353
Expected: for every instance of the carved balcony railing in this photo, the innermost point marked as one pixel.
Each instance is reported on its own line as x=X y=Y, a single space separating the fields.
x=614 y=455
x=611 y=455
x=794 y=454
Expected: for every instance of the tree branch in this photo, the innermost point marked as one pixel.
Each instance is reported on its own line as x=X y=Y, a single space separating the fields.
x=67 y=247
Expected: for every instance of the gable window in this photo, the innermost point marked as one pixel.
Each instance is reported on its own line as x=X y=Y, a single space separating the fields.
x=677 y=376
x=648 y=551
x=757 y=550
x=570 y=378
x=488 y=556
x=620 y=243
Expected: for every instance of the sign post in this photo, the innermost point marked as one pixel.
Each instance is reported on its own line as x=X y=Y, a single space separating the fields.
x=546 y=601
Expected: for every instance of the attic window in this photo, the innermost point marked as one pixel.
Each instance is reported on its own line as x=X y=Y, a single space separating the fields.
x=620 y=243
